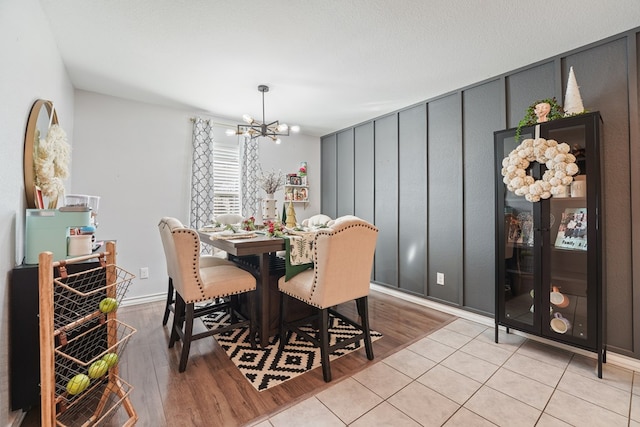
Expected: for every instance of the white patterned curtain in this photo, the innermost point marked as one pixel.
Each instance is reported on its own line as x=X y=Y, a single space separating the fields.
x=201 y=210
x=249 y=170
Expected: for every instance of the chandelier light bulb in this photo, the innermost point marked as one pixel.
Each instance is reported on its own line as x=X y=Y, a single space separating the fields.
x=230 y=132
x=278 y=140
x=247 y=118
x=282 y=127
x=295 y=128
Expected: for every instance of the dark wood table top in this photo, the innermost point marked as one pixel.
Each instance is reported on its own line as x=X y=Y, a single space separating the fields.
x=241 y=247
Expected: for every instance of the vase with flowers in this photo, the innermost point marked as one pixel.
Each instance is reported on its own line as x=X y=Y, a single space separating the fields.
x=302 y=171
x=271 y=182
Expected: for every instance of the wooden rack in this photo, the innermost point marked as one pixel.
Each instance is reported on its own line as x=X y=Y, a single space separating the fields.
x=76 y=335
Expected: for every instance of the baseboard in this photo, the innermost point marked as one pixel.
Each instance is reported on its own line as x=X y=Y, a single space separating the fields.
x=612 y=358
x=144 y=299
x=18 y=418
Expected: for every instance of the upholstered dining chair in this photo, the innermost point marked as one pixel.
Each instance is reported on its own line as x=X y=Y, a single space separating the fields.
x=343 y=258
x=319 y=219
x=195 y=284
x=225 y=219
x=205 y=261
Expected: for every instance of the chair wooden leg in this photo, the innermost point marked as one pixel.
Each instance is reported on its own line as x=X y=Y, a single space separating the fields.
x=170 y=301
x=324 y=344
x=363 y=309
x=186 y=340
x=178 y=320
x=253 y=317
x=283 y=325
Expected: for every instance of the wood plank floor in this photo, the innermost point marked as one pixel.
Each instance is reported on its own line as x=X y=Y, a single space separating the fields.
x=212 y=392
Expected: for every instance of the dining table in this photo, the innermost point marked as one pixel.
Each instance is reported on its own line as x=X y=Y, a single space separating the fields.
x=264 y=248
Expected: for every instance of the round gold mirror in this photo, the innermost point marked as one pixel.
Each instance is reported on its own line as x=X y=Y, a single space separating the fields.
x=41 y=117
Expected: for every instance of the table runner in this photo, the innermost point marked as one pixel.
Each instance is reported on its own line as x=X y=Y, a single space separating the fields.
x=299 y=253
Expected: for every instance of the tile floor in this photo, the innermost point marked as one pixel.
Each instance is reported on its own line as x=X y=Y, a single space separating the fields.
x=458 y=376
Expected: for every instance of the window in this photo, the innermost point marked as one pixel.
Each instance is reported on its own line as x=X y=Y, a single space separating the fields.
x=226 y=179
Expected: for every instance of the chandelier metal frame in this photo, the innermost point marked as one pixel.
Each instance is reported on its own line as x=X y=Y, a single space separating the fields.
x=255 y=129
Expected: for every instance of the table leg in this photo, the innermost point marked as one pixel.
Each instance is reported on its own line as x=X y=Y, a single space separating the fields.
x=263 y=287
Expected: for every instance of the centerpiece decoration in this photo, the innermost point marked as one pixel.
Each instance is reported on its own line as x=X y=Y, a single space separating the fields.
x=275 y=229
x=271 y=182
x=249 y=224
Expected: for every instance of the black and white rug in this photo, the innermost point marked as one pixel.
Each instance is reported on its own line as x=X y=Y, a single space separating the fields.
x=268 y=367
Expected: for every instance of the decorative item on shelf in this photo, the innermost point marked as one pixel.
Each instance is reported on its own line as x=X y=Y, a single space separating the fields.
x=255 y=129
x=572 y=99
x=291 y=216
x=303 y=169
x=579 y=186
x=556 y=156
x=572 y=231
x=534 y=112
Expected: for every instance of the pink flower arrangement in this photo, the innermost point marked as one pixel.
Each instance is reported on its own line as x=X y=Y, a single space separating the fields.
x=249 y=224
x=275 y=229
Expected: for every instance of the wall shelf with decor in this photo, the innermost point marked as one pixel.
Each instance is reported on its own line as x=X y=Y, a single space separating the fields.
x=296 y=189
x=548 y=280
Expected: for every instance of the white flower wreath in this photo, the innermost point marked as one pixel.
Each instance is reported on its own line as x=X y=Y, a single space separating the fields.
x=561 y=166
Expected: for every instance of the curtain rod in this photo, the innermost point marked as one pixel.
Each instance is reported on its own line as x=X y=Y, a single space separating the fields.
x=227 y=125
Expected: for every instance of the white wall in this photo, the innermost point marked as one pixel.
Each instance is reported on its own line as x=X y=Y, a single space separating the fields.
x=137 y=158
x=31 y=69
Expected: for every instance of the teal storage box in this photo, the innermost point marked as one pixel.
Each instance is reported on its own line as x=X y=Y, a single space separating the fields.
x=48 y=230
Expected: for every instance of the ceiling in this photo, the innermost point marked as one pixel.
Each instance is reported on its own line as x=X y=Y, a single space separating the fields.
x=330 y=64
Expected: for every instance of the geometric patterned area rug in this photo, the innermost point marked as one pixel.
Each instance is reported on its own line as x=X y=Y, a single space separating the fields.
x=268 y=367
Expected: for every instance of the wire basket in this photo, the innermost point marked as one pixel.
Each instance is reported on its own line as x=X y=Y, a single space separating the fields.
x=97 y=406
x=77 y=297
x=87 y=353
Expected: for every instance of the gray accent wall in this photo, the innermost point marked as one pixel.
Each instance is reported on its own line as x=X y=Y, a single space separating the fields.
x=425 y=176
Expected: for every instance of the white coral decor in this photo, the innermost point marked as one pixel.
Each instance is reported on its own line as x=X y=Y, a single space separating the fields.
x=52 y=163
x=560 y=163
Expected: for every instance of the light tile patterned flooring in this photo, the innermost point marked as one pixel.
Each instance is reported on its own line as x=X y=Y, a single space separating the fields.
x=458 y=376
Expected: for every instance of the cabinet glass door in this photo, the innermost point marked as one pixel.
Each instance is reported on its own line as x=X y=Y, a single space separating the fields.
x=568 y=267
x=518 y=252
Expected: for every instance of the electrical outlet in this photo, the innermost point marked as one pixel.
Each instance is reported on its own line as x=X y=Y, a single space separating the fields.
x=144 y=272
x=440 y=278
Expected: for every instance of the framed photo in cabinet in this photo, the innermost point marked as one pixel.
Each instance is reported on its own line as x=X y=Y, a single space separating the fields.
x=572 y=231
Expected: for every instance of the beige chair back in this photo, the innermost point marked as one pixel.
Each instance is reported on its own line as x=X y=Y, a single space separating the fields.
x=228 y=219
x=183 y=252
x=165 y=226
x=319 y=219
x=343 y=259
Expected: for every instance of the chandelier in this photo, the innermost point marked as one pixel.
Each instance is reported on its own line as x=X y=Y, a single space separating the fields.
x=254 y=129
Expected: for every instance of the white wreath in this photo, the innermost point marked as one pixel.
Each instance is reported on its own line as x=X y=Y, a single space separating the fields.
x=560 y=163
